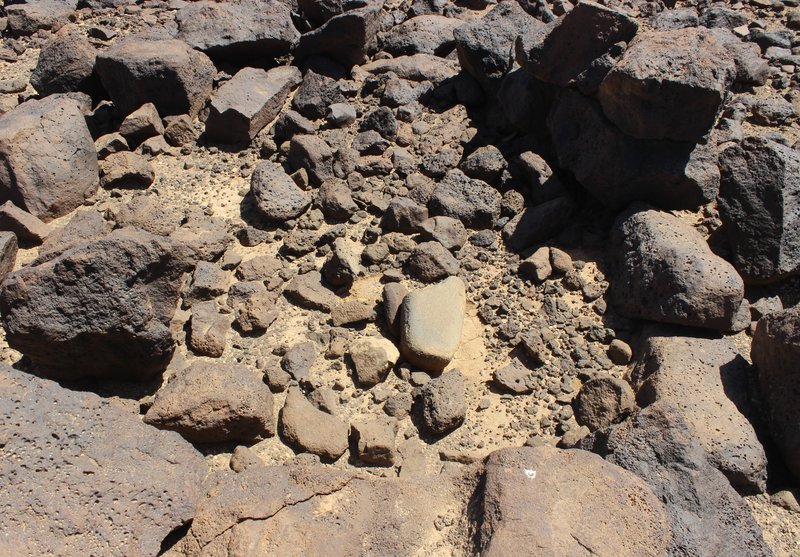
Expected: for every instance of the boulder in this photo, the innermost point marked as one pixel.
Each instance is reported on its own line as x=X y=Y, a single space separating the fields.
x=662 y=269
x=373 y=358
x=707 y=382
x=49 y=163
x=374 y=441
x=568 y=503
x=668 y=85
x=335 y=199
x=210 y=402
x=429 y=34
x=253 y=306
x=143 y=123
x=345 y=38
x=431 y=262
x=238 y=30
x=775 y=351
x=8 y=253
x=207 y=330
x=758 y=207
x=66 y=64
x=603 y=401
x=311 y=430
x=26 y=19
x=312 y=153
x=308 y=291
x=316 y=94
x=126 y=170
x=62 y=448
x=474 y=202
x=101 y=308
x=432 y=321
x=563 y=51
x=168 y=73
x=25 y=226
x=538 y=223
x=84 y=226
x=276 y=195
x=448 y=231
x=417 y=67
x=343 y=265
x=241 y=107
x=444 y=404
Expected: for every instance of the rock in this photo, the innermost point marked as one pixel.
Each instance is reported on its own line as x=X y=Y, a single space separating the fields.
x=241 y=107
x=316 y=94
x=179 y=131
x=66 y=64
x=483 y=45
x=373 y=358
x=676 y=19
x=556 y=500
x=374 y=440
x=560 y=260
x=23 y=225
x=126 y=170
x=485 y=163
x=474 y=202
x=26 y=19
x=145 y=212
x=85 y=225
x=618 y=169
x=143 y=483
x=8 y=253
x=513 y=378
x=101 y=308
x=537 y=267
x=429 y=34
x=758 y=221
x=341 y=115
x=707 y=382
x=312 y=154
x=352 y=312
x=276 y=195
x=298 y=360
x=765 y=306
x=211 y=402
x=446 y=230
x=751 y=68
x=403 y=215
x=345 y=38
x=619 y=352
x=722 y=17
x=432 y=321
x=417 y=67
x=603 y=401
x=307 y=290
x=538 y=223
x=49 y=164
x=240 y=30
x=431 y=262
x=253 y=306
x=370 y=143
x=312 y=430
x=342 y=265
x=208 y=330
x=668 y=85
x=208 y=281
x=444 y=405
x=706 y=515
x=168 y=73
x=335 y=200
x=662 y=269
x=205 y=237
x=393 y=295
x=141 y=124
x=110 y=143
x=774 y=352
x=564 y=49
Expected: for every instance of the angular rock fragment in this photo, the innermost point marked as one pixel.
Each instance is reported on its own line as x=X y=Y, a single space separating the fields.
x=538 y=223
x=208 y=329
x=253 y=306
x=431 y=262
x=474 y=202
x=308 y=291
x=66 y=64
x=374 y=440
x=126 y=170
x=372 y=359
x=24 y=225
x=417 y=67
x=444 y=404
x=8 y=253
x=26 y=19
x=141 y=124
x=346 y=37
x=276 y=195
x=429 y=34
x=310 y=429
x=602 y=401
x=513 y=378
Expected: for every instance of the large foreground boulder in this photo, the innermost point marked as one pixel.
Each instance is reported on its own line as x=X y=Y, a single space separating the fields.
x=759 y=208
x=662 y=269
x=568 y=503
x=82 y=475
x=775 y=352
x=101 y=308
x=168 y=73
x=238 y=30
x=49 y=163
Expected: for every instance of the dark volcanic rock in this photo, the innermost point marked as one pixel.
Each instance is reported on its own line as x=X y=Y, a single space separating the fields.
x=66 y=63
x=758 y=204
x=346 y=37
x=430 y=34
x=474 y=202
x=444 y=404
x=101 y=308
x=276 y=195
x=62 y=449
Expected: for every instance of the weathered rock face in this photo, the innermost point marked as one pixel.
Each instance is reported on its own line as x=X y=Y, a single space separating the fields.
x=49 y=163
x=239 y=29
x=310 y=429
x=563 y=502
x=429 y=34
x=215 y=402
x=63 y=448
x=618 y=169
x=758 y=204
x=432 y=321
x=168 y=73
x=564 y=49
x=663 y=270
x=66 y=63
x=603 y=401
x=474 y=202
x=668 y=85
x=484 y=45
x=706 y=515
x=241 y=107
x=706 y=380
x=775 y=353
x=27 y=18
x=444 y=404
x=276 y=195
x=101 y=308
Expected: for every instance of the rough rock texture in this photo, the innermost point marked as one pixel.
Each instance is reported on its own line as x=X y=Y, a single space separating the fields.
x=276 y=195
x=706 y=515
x=707 y=381
x=663 y=270
x=429 y=34
x=444 y=405
x=66 y=63
x=241 y=107
x=49 y=163
x=602 y=401
x=211 y=402
x=312 y=430
x=432 y=321
x=568 y=503
x=474 y=202
x=101 y=308
x=238 y=30
x=372 y=359
x=668 y=85
x=758 y=204
x=776 y=348
x=62 y=448
x=345 y=38
x=168 y=73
